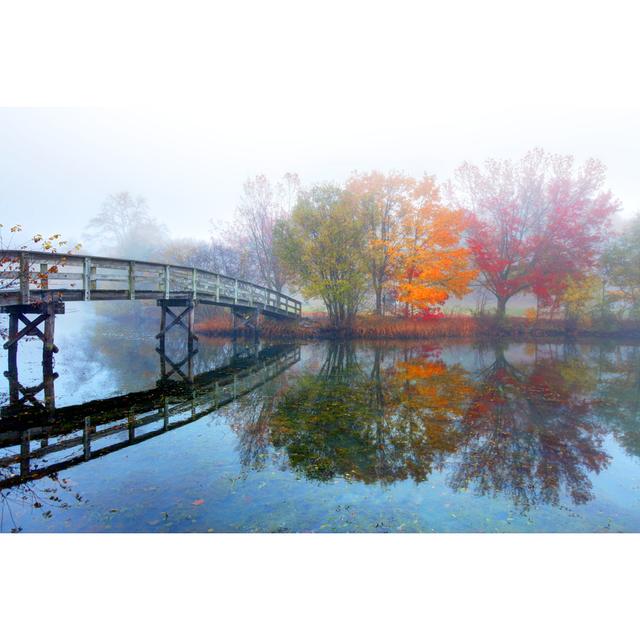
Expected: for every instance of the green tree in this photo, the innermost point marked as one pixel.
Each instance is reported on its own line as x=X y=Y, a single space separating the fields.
x=323 y=249
x=621 y=260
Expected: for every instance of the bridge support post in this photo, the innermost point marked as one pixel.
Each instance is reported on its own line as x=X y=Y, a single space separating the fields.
x=20 y=395
x=186 y=320
x=45 y=313
x=246 y=320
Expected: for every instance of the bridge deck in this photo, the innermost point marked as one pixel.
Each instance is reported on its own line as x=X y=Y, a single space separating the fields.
x=30 y=276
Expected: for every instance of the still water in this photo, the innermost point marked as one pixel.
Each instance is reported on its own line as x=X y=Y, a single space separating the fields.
x=320 y=437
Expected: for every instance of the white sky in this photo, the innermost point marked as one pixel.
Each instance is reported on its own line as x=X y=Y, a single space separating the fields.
x=181 y=102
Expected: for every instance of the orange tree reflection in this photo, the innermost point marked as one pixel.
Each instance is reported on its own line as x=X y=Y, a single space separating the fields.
x=362 y=421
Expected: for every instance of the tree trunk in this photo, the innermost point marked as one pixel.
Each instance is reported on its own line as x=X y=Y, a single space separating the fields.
x=379 y=310
x=501 y=310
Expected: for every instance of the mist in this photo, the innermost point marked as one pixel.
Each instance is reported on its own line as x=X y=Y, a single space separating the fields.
x=266 y=90
x=59 y=165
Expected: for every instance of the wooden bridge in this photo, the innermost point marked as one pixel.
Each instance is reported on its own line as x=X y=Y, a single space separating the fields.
x=41 y=440
x=30 y=277
x=39 y=283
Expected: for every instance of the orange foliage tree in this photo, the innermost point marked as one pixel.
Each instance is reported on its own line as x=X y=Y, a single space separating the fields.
x=429 y=263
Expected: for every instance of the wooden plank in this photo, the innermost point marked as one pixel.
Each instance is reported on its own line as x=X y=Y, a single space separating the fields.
x=86 y=279
x=60 y=275
x=110 y=263
x=24 y=278
x=132 y=280
x=30 y=326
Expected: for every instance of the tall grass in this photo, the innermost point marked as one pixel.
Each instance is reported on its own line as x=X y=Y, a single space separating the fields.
x=317 y=326
x=392 y=327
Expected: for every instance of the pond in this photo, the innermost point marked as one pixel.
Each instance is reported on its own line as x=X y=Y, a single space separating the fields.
x=320 y=437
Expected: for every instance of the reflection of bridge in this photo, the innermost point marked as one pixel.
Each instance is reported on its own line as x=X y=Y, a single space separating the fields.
x=39 y=283
x=71 y=435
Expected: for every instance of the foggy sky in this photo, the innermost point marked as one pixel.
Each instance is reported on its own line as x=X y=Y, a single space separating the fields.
x=320 y=93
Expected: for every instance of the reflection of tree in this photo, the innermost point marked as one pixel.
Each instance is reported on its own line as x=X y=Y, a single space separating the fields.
x=392 y=424
x=619 y=387
x=322 y=422
x=250 y=418
x=416 y=423
x=390 y=414
x=529 y=433
x=42 y=497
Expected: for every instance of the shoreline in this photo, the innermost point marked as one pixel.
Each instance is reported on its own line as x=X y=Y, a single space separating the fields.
x=371 y=328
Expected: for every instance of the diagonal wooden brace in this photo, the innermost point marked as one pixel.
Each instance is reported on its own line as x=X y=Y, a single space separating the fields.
x=36 y=332
x=30 y=329
x=177 y=319
x=176 y=367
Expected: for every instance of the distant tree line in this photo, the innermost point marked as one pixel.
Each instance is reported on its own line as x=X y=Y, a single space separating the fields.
x=396 y=244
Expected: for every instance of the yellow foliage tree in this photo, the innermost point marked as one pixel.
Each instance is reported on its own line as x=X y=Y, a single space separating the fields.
x=581 y=297
x=381 y=199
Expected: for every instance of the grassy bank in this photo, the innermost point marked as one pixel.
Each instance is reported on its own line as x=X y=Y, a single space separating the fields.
x=460 y=326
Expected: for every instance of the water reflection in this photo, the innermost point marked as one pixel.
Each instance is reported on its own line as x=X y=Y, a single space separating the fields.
x=384 y=414
x=531 y=433
x=385 y=420
x=525 y=425
x=618 y=380
x=47 y=442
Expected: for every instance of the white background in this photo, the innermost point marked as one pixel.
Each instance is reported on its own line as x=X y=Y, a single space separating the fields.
x=214 y=93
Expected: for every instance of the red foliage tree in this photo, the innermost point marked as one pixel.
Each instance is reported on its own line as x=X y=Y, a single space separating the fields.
x=535 y=222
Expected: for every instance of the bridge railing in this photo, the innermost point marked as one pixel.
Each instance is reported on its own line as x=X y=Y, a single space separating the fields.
x=26 y=276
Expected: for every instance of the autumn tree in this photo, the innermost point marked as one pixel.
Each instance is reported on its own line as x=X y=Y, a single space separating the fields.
x=211 y=255
x=11 y=267
x=621 y=262
x=534 y=222
x=427 y=258
x=323 y=249
x=382 y=200
x=582 y=297
x=125 y=228
x=261 y=207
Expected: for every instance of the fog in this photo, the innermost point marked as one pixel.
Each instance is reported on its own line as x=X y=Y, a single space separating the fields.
x=251 y=89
